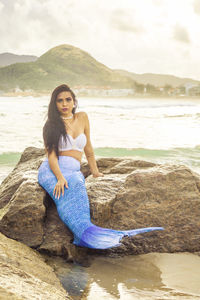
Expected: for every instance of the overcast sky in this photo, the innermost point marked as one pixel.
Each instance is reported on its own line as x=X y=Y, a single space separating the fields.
x=156 y=36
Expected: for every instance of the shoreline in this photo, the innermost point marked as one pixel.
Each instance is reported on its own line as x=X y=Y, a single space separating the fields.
x=136 y=96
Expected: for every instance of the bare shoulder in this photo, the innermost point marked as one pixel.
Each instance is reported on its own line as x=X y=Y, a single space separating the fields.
x=81 y=115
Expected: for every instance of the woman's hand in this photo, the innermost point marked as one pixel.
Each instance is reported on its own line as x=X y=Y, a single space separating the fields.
x=97 y=174
x=60 y=186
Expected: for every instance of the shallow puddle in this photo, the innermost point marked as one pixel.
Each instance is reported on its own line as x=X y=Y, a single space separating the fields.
x=149 y=276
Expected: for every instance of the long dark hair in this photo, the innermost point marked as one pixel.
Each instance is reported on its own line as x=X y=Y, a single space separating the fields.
x=54 y=126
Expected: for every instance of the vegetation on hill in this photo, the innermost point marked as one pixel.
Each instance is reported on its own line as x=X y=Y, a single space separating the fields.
x=157 y=79
x=62 y=64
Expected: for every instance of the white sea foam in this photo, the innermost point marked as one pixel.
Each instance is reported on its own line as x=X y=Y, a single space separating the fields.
x=117 y=123
x=152 y=128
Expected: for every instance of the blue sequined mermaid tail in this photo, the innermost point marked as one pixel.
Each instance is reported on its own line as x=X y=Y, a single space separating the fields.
x=74 y=210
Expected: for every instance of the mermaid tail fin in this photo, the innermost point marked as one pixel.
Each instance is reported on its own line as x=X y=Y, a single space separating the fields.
x=141 y=230
x=102 y=238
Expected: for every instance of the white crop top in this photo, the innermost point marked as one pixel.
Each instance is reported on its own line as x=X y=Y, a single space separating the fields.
x=72 y=144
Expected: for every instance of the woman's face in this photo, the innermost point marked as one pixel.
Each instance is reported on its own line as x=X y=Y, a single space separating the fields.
x=65 y=103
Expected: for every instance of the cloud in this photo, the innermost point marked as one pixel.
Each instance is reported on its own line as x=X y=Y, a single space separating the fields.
x=1 y=6
x=39 y=25
x=140 y=36
x=181 y=34
x=158 y=2
x=125 y=21
x=196 y=6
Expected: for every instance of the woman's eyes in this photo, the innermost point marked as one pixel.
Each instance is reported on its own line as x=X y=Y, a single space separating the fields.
x=67 y=99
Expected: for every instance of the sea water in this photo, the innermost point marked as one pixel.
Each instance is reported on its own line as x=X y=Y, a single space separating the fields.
x=158 y=130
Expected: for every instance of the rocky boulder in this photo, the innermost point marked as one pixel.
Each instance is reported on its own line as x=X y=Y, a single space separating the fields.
x=25 y=275
x=132 y=194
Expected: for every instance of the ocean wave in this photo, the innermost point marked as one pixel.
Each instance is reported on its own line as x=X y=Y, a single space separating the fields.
x=192 y=115
x=184 y=156
x=9 y=158
x=192 y=152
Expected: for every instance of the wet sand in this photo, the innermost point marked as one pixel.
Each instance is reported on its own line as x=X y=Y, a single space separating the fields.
x=180 y=272
x=149 y=276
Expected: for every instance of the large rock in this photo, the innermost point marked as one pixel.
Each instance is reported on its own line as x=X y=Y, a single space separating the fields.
x=164 y=195
x=25 y=275
x=22 y=210
x=132 y=194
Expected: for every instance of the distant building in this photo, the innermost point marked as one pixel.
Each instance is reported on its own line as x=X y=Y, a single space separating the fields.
x=177 y=91
x=29 y=91
x=103 y=91
x=188 y=86
x=17 y=90
x=194 y=91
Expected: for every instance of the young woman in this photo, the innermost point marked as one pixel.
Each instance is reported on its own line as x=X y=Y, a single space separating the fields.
x=66 y=135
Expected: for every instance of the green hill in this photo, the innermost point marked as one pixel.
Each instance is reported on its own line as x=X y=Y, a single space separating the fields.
x=62 y=64
x=157 y=79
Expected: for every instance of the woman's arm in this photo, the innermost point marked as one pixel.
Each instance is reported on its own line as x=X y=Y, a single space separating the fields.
x=53 y=163
x=62 y=182
x=89 y=152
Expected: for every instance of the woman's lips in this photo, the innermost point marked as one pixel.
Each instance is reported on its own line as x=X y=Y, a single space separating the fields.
x=65 y=109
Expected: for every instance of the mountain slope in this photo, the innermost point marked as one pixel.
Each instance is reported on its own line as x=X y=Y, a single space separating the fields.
x=61 y=64
x=157 y=79
x=10 y=58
